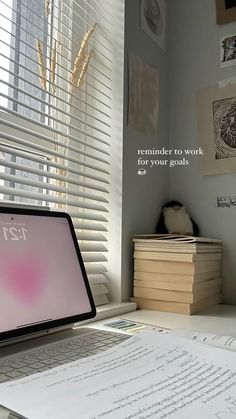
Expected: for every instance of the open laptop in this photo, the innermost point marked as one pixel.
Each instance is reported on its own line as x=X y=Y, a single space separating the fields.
x=44 y=290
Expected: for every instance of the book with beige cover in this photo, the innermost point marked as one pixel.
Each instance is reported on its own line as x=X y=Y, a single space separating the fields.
x=177 y=296
x=175 y=238
x=177 y=257
x=177 y=286
x=173 y=278
x=192 y=248
x=169 y=243
x=174 y=307
x=179 y=268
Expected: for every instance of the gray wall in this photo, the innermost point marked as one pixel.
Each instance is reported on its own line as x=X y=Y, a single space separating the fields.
x=194 y=63
x=143 y=196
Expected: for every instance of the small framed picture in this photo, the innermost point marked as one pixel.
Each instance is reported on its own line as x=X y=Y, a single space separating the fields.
x=228 y=51
x=225 y=11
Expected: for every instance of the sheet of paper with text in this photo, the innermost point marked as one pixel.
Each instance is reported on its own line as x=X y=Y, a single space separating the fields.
x=149 y=376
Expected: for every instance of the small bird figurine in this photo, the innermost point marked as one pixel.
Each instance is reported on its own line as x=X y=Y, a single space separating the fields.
x=174 y=219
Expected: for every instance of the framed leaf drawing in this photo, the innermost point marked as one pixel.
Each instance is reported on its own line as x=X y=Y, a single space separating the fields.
x=216 y=115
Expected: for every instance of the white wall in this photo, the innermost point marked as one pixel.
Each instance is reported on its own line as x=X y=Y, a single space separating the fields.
x=143 y=196
x=194 y=63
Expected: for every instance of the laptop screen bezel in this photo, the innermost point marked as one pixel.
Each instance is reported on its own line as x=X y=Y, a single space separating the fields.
x=24 y=331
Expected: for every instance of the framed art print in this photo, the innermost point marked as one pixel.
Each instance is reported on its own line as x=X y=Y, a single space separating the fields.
x=143 y=99
x=228 y=51
x=225 y=11
x=153 y=20
x=216 y=117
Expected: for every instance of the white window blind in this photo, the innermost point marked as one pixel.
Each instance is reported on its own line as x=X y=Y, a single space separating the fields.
x=56 y=67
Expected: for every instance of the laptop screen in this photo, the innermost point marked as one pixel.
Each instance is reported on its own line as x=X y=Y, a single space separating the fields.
x=42 y=277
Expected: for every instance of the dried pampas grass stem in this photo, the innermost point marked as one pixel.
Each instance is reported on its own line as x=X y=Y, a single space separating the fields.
x=81 y=56
x=53 y=63
x=47 y=7
x=84 y=68
x=42 y=69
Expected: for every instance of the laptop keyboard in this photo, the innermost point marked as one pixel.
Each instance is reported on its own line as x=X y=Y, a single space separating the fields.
x=53 y=355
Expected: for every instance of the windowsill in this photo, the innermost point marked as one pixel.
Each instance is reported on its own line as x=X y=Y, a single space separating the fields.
x=110 y=310
x=114 y=309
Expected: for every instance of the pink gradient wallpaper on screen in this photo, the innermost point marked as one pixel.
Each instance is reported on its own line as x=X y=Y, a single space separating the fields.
x=40 y=277
x=23 y=275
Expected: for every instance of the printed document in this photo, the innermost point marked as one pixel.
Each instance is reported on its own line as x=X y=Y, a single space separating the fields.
x=148 y=376
x=213 y=339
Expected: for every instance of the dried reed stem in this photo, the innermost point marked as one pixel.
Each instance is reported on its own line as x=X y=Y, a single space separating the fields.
x=84 y=68
x=42 y=69
x=47 y=10
x=53 y=63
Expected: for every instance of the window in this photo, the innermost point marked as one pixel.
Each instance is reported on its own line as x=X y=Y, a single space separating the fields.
x=57 y=113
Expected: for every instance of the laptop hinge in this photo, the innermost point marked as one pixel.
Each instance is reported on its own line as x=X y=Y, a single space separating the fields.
x=36 y=335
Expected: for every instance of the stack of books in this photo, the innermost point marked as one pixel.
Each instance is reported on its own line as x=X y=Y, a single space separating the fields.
x=180 y=274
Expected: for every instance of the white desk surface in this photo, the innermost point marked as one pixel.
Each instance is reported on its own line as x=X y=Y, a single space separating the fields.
x=217 y=319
